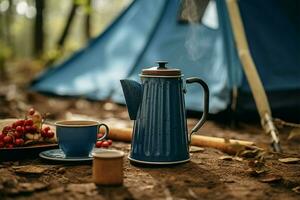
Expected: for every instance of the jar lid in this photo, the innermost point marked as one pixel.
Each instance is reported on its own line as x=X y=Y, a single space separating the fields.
x=161 y=70
x=108 y=154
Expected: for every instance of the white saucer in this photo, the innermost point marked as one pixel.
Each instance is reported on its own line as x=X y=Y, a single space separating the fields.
x=58 y=155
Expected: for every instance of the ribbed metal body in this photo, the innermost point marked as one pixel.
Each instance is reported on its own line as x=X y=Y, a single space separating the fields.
x=160 y=130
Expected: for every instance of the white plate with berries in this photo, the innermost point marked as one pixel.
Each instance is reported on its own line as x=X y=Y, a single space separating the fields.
x=28 y=136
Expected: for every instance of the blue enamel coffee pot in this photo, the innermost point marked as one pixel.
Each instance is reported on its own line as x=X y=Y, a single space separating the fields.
x=160 y=134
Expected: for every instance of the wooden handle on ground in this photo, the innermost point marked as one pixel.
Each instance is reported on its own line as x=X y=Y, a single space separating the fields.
x=229 y=146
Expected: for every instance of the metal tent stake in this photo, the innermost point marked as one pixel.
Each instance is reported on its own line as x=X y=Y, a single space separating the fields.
x=269 y=127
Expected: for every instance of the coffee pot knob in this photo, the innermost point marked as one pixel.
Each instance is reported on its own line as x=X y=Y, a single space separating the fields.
x=162 y=64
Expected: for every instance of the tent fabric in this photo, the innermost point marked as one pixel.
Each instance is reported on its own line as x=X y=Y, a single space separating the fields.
x=273 y=30
x=148 y=31
x=196 y=50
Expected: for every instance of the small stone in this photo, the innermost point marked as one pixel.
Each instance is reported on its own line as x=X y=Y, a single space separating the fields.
x=289 y=160
x=10 y=183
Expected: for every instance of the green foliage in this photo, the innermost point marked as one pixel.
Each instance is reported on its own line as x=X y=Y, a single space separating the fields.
x=5 y=52
x=16 y=30
x=81 y=2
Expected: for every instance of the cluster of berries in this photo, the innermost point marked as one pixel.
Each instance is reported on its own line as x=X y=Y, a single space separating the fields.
x=103 y=142
x=25 y=131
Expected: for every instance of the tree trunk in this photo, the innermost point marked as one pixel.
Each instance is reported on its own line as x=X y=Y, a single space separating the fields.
x=38 y=28
x=88 y=21
x=64 y=35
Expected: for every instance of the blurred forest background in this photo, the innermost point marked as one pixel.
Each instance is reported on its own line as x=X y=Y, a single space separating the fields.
x=37 y=33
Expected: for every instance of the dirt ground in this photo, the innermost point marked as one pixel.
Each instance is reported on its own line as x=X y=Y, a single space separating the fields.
x=211 y=174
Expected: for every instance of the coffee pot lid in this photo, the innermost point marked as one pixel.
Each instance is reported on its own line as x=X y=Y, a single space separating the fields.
x=161 y=70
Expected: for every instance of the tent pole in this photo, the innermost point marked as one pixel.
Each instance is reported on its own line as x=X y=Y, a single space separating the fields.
x=251 y=73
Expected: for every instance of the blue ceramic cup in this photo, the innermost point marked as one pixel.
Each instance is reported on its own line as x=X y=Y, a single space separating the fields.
x=77 y=138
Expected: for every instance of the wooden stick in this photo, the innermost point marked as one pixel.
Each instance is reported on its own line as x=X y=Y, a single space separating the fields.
x=255 y=83
x=229 y=146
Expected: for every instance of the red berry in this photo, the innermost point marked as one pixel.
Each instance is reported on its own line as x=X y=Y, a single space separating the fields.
x=109 y=142
x=31 y=111
x=105 y=144
x=6 y=129
x=20 y=122
x=44 y=134
x=27 y=129
x=99 y=144
x=2 y=144
x=14 y=125
x=9 y=146
x=28 y=122
x=99 y=135
x=19 y=142
x=50 y=134
x=2 y=135
x=46 y=129
x=15 y=134
x=19 y=135
x=19 y=129
x=34 y=129
x=7 y=139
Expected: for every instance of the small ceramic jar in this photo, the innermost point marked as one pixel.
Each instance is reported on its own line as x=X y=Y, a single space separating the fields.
x=108 y=167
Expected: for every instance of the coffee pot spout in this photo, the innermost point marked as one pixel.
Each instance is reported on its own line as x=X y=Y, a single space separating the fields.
x=133 y=92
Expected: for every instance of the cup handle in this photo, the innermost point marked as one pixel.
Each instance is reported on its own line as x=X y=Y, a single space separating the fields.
x=106 y=131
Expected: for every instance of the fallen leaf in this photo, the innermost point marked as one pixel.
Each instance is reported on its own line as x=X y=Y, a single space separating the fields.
x=250 y=153
x=296 y=189
x=289 y=160
x=58 y=190
x=256 y=172
x=192 y=194
x=81 y=188
x=61 y=170
x=31 y=187
x=260 y=171
x=227 y=180
x=238 y=158
x=25 y=188
x=256 y=164
x=194 y=149
x=30 y=169
x=226 y=158
x=270 y=178
x=294 y=134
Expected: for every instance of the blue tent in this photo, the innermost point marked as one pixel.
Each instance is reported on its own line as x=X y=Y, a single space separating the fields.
x=148 y=31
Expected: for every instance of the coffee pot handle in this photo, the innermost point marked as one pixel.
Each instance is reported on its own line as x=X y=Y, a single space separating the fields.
x=206 y=104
